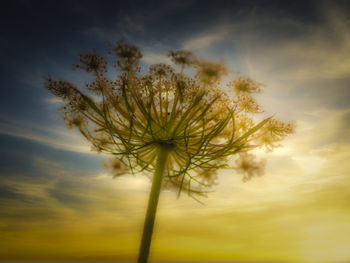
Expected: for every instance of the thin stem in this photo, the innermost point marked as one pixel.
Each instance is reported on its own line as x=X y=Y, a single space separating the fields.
x=152 y=204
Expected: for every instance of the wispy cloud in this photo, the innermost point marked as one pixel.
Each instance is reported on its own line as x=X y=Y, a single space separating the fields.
x=204 y=40
x=150 y=56
x=317 y=52
x=56 y=137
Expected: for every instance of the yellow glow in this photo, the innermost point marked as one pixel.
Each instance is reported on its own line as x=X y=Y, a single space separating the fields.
x=297 y=212
x=297 y=216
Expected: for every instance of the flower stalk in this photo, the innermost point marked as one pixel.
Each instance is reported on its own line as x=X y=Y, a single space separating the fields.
x=163 y=153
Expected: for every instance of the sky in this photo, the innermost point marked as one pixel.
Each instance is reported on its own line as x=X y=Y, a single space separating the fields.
x=56 y=200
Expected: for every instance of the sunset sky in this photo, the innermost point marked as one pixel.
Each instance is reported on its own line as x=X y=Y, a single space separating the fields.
x=57 y=201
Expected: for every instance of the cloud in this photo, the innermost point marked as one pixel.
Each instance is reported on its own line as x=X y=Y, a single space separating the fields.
x=317 y=51
x=282 y=47
x=53 y=100
x=150 y=56
x=203 y=40
x=56 y=137
x=68 y=199
x=8 y=192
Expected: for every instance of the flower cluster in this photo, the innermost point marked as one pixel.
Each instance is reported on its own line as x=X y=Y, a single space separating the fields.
x=248 y=166
x=248 y=104
x=116 y=167
x=128 y=56
x=200 y=125
x=273 y=132
x=161 y=71
x=92 y=63
x=209 y=72
x=244 y=85
x=182 y=58
x=62 y=89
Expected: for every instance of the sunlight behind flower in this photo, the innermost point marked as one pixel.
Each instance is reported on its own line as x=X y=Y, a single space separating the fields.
x=288 y=60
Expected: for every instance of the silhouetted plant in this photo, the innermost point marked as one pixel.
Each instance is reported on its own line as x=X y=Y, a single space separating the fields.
x=177 y=127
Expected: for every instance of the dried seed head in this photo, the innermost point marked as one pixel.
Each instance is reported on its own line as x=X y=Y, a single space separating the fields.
x=62 y=89
x=193 y=118
x=182 y=58
x=161 y=71
x=207 y=176
x=244 y=85
x=210 y=72
x=273 y=132
x=128 y=56
x=92 y=63
x=248 y=166
x=116 y=167
x=248 y=104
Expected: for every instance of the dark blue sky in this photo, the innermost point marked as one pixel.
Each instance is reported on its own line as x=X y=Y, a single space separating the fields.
x=39 y=36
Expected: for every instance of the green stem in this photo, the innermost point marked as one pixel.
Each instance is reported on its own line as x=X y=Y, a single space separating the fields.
x=152 y=205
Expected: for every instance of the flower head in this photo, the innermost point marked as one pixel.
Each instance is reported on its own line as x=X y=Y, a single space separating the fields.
x=116 y=167
x=210 y=72
x=248 y=166
x=248 y=104
x=161 y=71
x=92 y=63
x=128 y=56
x=136 y=115
x=182 y=58
x=62 y=89
x=273 y=132
x=244 y=85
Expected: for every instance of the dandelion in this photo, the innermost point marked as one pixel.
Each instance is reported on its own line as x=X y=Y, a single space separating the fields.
x=177 y=129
